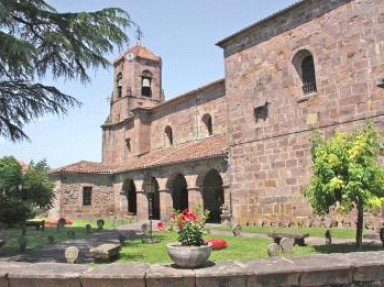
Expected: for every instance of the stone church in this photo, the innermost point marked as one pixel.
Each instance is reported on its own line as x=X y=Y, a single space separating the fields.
x=243 y=141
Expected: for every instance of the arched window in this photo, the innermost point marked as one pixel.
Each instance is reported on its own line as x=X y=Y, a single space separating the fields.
x=305 y=67
x=207 y=120
x=146 y=83
x=128 y=144
x=119 y=80
x=168 y=136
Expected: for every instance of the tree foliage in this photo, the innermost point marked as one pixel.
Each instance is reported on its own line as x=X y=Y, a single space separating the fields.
x=35 y=39
x=23 y=191
x=347 y=173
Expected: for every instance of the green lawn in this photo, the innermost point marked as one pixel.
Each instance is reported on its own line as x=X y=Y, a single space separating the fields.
x=239 y=248
x=38 y=239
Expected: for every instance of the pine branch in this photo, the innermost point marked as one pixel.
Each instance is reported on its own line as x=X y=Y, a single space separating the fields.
x=21 y=102
x=35 y=40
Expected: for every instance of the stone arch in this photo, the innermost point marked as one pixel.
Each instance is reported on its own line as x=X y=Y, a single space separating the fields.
x=207 y=120
x=119 y=84
x=129 y=190
x=213 y=195
x=168 y=136
x=304 y=64
x=146 y=83
x=179 y=192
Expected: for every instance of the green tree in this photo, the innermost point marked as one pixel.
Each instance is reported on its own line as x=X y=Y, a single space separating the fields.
x=22 y=192
x=347 y=172
x=36 y=40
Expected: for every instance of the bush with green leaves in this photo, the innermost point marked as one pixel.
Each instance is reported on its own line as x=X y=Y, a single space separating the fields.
x=23 y=191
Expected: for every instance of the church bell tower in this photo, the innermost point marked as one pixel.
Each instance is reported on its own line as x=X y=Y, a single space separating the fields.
x=136 y=87
x=137 y=83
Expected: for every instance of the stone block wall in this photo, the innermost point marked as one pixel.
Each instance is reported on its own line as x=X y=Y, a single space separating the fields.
x=270 y=158
x=184 y=115
x=70 y=195
x=334 y=270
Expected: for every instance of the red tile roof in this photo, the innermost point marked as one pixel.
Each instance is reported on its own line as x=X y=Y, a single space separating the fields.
x=141 y=52
x=83 y=167
x=207 y=148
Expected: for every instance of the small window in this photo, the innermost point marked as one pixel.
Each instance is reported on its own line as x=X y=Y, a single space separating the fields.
x=305 y=67
x=261 y=113
x=128 y=144
x=207 y=119
x=146 y=84
x=169 y=135
x=308 y=75
x=87 y=195
x=119 y=84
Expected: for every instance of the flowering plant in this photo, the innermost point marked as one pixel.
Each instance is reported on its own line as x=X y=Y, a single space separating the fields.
x=191 y=226
x=160 y=226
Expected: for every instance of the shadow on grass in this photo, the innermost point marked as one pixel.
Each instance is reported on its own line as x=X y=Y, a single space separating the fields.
x=348 y=248
x=131 y=256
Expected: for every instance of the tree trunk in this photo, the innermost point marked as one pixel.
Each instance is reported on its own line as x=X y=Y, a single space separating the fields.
x=359 y=225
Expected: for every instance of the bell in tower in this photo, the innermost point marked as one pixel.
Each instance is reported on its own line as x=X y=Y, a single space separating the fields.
x=146 y=80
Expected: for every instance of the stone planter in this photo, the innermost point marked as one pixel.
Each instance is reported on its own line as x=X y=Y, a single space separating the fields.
x=189 y=256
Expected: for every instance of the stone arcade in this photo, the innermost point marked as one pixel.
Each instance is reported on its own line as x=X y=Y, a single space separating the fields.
x=241 y=141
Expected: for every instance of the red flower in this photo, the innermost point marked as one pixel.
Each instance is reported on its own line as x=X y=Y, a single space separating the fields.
x=160 y=226
x=217 y=244
x=190 y=216
x=185 y=211
x=182 y=218
x=180 y=225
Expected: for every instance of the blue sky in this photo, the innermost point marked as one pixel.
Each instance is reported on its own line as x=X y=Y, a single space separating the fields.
x=183 y=33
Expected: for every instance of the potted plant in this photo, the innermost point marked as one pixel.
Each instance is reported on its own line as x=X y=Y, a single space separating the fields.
x=191 y=250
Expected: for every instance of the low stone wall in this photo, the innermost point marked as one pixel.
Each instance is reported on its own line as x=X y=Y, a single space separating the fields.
x=354 y=269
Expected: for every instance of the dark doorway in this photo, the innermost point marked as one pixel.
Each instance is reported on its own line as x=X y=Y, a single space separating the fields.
x=130 y=191
x=213 y=195
x=155 y=197
x=180 y=193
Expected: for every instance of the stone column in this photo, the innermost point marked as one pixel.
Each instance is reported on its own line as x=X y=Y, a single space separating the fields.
x=195 y=197
x=166 y=204
x=142 y=205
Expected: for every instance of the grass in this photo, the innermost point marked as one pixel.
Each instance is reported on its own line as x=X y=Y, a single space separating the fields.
x=239 y=248
x=38 y=239
x=340 y=233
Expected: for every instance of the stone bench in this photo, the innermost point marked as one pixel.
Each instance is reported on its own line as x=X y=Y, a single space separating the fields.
x=105 y=252
x=299 y=238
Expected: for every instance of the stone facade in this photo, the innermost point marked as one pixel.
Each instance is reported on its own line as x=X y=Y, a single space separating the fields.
x=270 y=158
x=242 y=141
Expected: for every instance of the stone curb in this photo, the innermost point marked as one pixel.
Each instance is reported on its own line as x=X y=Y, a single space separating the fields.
x=353 y=269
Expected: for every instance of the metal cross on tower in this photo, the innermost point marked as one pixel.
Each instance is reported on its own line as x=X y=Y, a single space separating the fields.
x=139 y=35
